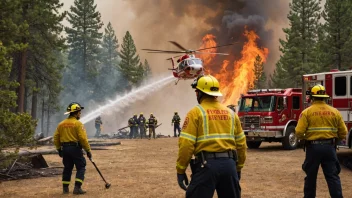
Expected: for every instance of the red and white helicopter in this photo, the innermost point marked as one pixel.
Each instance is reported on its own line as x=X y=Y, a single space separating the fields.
x=187 y=66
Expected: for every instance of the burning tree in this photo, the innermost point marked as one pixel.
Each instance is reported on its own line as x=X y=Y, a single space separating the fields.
x=238 y=76
x=260 y=78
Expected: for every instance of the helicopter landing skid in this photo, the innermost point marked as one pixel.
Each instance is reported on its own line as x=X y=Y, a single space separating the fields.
x=177 y=81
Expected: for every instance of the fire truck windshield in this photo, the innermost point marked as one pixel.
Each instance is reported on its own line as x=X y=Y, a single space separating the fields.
x=258 y=103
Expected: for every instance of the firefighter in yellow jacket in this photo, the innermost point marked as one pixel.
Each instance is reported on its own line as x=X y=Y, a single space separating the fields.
x=213 y=134
x=69 y=139
x=321 y=126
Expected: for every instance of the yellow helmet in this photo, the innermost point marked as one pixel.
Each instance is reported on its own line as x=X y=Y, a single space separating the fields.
x=319 y=92
x=207 y=84
x=73 y=107
x=141 y=113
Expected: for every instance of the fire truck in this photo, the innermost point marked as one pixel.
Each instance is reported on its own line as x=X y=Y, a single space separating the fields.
x=338 y=85
x=270 y=115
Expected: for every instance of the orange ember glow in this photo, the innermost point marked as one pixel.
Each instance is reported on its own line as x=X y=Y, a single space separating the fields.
x=238 y=76
x=208 y=41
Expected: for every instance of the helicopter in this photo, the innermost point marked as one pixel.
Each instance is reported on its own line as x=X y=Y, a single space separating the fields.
x=186 y=66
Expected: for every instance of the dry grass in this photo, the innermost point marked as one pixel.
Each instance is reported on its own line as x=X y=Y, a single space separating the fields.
x=146 y=168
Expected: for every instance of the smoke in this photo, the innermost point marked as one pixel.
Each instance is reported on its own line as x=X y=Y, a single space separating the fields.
x=153 y=23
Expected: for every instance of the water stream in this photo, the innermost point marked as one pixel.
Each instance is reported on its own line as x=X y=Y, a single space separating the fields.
x=131 y=97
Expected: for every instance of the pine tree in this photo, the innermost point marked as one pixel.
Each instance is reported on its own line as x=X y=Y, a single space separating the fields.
x=110 y=49
x=16 y=129
x=108 y=77
x=84 y=41
x=298 y=50
x=130 y=65
x=337 y=45
x=147 y=69
x=258 y=70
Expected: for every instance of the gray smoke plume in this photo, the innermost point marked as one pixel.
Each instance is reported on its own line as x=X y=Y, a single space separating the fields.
x=152 y=23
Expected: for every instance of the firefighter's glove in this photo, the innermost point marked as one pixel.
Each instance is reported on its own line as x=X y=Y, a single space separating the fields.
x=89 y=155
x=182 y=180
x=239 y=176
x=60 y=152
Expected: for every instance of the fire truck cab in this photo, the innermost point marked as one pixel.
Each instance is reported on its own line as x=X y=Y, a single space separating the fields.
x=270 y=115
x=338 y=85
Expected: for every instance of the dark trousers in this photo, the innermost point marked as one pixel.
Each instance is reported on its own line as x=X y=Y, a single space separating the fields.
x=325 y=155
x=217 y=174
x=98 y=130
x=151 y=131
x=142 y=131
x=73 y=156
x=177 y=127
x=133 y=131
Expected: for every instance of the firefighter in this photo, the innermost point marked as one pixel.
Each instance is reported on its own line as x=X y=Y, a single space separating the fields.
x=98 y=124
x=152 y=122
x=321 y=126
x=133 y=124
x=213 y=134
x=232 y=107
x=141 y=123
x=176 y=122
x=69 y=139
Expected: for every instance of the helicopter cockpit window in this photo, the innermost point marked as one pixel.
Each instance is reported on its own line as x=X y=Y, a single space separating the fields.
x=190 y=62
x=182 y=65
x=197 y=61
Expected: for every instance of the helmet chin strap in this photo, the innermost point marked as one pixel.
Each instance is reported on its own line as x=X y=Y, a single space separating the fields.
x=199 y=96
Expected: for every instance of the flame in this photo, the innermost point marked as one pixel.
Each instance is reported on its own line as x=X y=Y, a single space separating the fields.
x=238 y=76
x=208 y=41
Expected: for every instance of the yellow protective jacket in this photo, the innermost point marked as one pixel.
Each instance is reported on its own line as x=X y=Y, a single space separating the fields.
x=71 y=130
x=320 y=121
x=210 y=127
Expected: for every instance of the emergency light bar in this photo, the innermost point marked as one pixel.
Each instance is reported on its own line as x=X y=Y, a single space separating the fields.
x=265 y=91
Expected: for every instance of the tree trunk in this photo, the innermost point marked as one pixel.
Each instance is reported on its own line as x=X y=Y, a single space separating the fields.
x=48 y=121
x=43 y=112
x=34 y=102
x=25 y=104
x=21 y=79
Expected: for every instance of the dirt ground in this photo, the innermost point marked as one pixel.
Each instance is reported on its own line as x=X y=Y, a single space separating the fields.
x=146 y=168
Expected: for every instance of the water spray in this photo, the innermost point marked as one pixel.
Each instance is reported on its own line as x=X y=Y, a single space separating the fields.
x=127 y=99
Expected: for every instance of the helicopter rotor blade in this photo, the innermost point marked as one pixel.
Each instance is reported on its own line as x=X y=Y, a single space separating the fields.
x=168 y=51
x=215 y=47
x=178 y=45
x=174 y=57
x=211 y=53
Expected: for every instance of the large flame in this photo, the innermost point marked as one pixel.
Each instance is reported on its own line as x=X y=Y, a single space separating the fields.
x=238 y=76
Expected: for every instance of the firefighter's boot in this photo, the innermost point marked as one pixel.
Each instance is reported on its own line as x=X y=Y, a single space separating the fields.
x=149 y=136
x=78 y=190
x=65 y=190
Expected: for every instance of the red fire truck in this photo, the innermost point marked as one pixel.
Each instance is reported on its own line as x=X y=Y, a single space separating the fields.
x=338 y=85
x=270 y=115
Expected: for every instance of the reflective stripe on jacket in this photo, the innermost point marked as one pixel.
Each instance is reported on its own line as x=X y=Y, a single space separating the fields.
x=152 y=122
x=71 y=130
x=320 y=121
x=210 y=127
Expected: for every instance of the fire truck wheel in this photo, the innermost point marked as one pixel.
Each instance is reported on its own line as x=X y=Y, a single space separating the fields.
x=254 y=145
x=290 y=142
